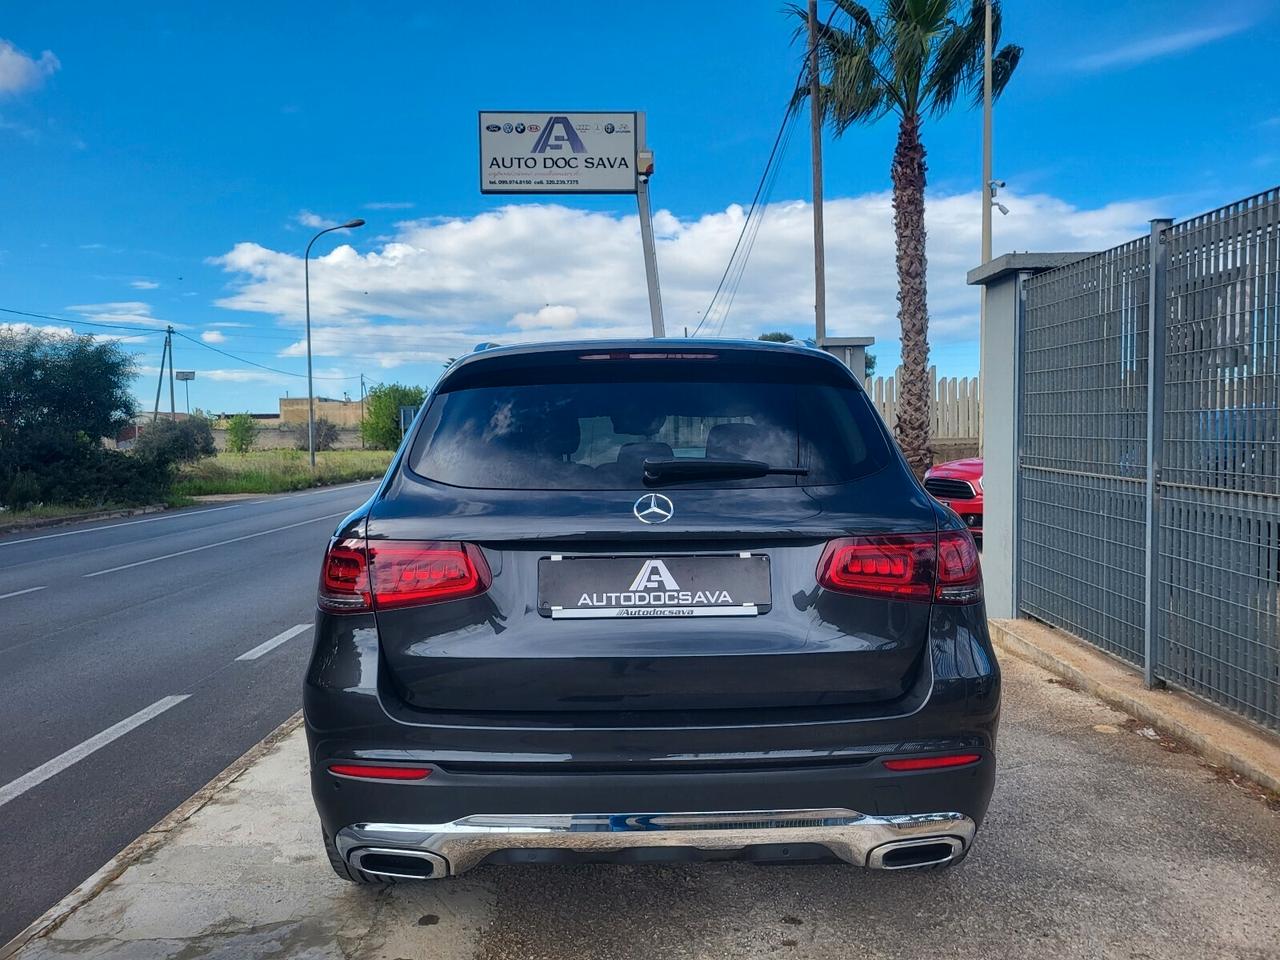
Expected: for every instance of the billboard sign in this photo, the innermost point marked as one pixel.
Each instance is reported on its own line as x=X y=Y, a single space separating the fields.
x=551 y=152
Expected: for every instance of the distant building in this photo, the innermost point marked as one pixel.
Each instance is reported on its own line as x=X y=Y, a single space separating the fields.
x=341 y=413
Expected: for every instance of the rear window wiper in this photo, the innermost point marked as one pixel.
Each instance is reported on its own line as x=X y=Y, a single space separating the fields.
x=693 y=469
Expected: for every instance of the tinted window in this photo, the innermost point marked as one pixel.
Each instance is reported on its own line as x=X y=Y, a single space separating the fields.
x=596 y=435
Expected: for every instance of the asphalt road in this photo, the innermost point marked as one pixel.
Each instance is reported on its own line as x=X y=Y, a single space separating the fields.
x=136 y=661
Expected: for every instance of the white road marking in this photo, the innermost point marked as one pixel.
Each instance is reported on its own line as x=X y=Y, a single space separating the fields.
x=18 y=593
x=269 y=645
x=177 y=515
x=220 y=543
x=112 y=526
x=51 y=768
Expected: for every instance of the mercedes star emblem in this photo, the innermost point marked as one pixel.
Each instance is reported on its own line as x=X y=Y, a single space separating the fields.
x=654 y=508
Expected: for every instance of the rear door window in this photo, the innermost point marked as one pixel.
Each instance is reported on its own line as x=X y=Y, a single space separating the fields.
x=592 y=433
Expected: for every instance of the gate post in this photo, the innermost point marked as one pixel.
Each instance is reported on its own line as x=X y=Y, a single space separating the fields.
x=1157 y=334
x=1005 y=281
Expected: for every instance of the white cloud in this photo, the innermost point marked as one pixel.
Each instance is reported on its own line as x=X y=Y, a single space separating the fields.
x=548 y=318
x=213 y=336
x=1162 y=45
x=389 y=205
x=129 y=312
x=313 y=220
x=19 y=71
x=545 y=271
x=143 y=284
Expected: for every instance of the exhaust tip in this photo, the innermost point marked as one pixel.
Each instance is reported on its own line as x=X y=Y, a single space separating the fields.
x=910 y=854
x=397 y=864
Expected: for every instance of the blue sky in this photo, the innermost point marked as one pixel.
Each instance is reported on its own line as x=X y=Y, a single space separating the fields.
x=168 y=162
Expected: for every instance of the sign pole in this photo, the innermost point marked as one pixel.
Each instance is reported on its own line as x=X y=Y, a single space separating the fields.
x=644 y=170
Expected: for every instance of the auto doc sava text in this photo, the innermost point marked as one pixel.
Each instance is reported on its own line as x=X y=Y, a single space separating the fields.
x=559 y=163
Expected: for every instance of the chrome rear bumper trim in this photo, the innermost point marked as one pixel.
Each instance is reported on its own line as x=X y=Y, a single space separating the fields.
x=463 y=843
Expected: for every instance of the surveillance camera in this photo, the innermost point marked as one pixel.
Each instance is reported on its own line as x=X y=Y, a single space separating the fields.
x=998 y=183
x=1003 y=209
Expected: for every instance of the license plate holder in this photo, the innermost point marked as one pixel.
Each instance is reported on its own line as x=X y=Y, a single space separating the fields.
x=593 y=588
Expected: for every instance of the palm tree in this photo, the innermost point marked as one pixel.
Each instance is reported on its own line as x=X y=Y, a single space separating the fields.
x=916 y=59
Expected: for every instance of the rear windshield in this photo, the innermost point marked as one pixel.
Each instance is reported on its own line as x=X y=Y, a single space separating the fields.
x=595 y=435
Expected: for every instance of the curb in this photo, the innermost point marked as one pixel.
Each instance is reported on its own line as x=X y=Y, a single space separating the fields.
x=1215 y=736
x=56 y=915
x=21 y=526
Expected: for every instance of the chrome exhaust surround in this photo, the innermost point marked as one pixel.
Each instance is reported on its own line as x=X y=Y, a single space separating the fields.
x=912 y=854
x=879 y=842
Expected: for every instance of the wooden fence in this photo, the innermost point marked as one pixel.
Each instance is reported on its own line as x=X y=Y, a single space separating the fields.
x=956 y=406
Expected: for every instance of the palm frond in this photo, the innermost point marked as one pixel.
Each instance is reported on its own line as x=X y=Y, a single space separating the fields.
x=1002 y=66
x=957 y=66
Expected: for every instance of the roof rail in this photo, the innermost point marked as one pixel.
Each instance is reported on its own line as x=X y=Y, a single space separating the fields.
x=486 y=345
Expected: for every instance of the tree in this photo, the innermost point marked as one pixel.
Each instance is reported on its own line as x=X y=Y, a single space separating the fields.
x=176 y=441
x=777 y=336
x=242 y=433
x=381 y=427
x=59 y=396
x=869 y=364
x=914 y=60
x=57 y=391
x=326 y=435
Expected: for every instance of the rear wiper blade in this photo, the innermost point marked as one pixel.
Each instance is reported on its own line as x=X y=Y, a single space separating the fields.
x=692 y=469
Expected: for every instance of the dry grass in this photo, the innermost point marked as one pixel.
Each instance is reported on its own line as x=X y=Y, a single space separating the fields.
x=278 y=471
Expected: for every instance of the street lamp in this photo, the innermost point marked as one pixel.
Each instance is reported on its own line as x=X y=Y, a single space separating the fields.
x=306 y=282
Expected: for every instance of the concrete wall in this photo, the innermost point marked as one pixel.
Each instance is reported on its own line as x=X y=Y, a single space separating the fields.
x=279 y=436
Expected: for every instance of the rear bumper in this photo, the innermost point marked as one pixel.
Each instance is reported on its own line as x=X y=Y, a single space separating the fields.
x=433 y=851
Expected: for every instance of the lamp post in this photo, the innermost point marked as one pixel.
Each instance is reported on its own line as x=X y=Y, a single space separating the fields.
x=306 y=283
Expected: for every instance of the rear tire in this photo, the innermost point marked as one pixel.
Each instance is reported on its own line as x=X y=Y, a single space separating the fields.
x=345 y=871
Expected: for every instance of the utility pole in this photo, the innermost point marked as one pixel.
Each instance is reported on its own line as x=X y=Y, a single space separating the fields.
x=362 y=410
x=173 y=406
x=815 y=136
x=987 y=199
x=155 y=413
x=986 y=141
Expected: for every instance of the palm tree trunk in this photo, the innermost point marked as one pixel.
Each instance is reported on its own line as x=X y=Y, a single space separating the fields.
x=912 y=428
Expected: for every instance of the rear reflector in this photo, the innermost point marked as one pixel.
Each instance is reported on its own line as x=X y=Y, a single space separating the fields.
x=387 y=574
x=366 y=772
x=933 y=763
x=922 y=567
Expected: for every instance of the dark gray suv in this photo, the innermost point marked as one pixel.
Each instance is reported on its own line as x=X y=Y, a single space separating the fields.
x=649 y=600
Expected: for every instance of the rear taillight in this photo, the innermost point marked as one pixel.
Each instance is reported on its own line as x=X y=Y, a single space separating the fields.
x=388 y=574
x=922 y=567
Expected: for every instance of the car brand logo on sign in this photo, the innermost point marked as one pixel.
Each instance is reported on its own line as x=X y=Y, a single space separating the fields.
x=558 y=152
x=654 y=508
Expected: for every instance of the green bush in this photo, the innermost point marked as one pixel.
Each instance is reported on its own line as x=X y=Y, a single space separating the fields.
x=381 y=427
x=176 y=441
x=326 y=435
x=242 y=433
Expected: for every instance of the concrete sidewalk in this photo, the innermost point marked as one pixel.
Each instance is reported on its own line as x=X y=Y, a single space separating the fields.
x=1100 y=843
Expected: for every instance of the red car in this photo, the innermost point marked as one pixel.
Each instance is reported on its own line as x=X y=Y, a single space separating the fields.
x=958 y=484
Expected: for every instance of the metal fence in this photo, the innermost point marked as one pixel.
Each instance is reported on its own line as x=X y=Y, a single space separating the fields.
x=1149 y=435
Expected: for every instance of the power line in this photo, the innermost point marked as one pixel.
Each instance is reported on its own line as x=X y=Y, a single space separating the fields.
x=763 y=188
x=254 y=363
x=198 y=343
